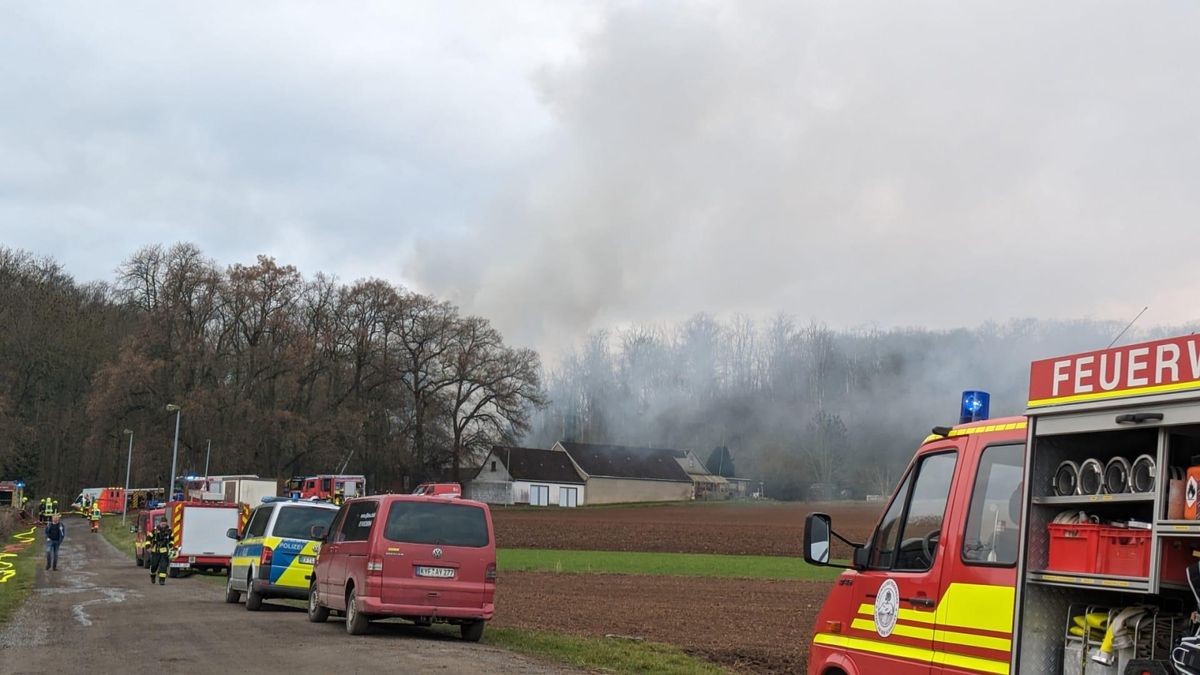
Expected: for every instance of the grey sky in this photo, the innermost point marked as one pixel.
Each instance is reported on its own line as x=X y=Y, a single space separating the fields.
x=559 y=167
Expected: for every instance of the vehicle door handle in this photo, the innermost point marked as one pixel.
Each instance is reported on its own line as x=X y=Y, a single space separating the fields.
x=919 y=602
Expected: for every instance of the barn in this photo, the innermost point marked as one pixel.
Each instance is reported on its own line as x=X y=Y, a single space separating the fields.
x=512 y=475
x=616 y=473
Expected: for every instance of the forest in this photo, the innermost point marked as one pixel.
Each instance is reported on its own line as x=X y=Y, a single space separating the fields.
x=810 y=411
x=284 y=375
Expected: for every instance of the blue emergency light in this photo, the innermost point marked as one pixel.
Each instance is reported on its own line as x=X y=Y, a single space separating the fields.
x=20 y=483
x=974 y=406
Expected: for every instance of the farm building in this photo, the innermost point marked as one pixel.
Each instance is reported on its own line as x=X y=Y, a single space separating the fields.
x=705 y=485
x=616 y=473
x=511 y=475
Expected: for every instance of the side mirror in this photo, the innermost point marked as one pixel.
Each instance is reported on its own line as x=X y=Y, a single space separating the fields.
x=818 y=535
x=232 y=533
x=817 y=531
x=317 y=532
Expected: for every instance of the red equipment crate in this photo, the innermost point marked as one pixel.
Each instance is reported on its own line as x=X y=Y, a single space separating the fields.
x=1073 y=547
x=1124 y=552
x=1176 y=556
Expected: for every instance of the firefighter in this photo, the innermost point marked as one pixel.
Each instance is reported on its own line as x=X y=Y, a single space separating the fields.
x=339 y=496
x=94 y=516
x=160 y=553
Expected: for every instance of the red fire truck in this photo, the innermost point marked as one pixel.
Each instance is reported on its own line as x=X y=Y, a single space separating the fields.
x=198 y=539
x=327 y=485
x=1064 y=541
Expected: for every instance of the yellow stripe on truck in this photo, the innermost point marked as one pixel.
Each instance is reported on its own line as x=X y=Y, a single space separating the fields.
x=978 y=606
x=940 y=635
x=987 y=429
x=911 y=653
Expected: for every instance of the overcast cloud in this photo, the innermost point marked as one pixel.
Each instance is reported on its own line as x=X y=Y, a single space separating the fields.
x=562 y=167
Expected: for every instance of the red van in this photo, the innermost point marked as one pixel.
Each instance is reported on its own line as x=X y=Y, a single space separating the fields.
x=423 y=559
x=447 y=490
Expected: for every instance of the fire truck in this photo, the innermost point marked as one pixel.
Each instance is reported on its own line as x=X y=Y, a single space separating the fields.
x=198 y=540
x=1062 y=541
x=12 y=494
x=326 y=486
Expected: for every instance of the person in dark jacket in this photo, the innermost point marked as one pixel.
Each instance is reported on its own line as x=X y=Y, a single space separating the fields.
x=56 y=532
x=160 y=553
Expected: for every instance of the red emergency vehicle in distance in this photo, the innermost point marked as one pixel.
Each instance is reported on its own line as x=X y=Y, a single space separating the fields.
x=326 y=486
x=447 y=490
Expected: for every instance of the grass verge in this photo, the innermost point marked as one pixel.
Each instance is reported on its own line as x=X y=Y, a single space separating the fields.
x=20 y=554
x=609 y=655
x=662 y=564
x=120 y=537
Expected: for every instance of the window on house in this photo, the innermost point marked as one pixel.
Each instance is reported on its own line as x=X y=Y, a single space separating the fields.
x=493 y=465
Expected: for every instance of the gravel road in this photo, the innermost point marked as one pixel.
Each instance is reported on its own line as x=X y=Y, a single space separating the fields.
x=99 y=613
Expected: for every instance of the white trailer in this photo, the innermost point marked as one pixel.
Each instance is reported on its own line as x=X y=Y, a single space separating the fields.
x=249 y=491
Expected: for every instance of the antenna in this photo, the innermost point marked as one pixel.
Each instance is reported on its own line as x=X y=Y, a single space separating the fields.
x=342 y=468
x=1139 y=315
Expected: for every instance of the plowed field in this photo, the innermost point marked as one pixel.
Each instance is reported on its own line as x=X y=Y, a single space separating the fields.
x=748 y=625
x=752 y=626
x=733 y=528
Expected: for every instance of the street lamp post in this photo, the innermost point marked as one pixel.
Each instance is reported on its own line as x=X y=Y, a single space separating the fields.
x=128 y=466
x=171 y=407
x=207 y=456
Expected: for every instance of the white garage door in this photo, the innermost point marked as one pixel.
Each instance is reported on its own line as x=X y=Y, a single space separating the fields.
x=539 y=495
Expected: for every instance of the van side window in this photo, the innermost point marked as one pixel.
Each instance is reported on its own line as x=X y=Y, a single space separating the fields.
x=357 y=524
x=258 y=522
x=913 y=522
x=991 y=534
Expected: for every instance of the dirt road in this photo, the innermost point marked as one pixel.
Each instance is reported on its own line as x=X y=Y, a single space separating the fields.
x=99 y=613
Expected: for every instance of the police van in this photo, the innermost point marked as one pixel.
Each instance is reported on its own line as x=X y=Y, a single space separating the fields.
x=274 y=556
x=1062 y=541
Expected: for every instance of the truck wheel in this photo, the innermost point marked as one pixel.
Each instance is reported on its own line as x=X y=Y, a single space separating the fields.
x=254 y=599
x=356 y=621
x=316 y=613
x=472 y=632
x=138 y=561
x=173 y=572
x=231 y=595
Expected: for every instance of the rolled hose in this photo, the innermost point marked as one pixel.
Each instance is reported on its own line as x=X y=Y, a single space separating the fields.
x=1142 y=474
x=1066 y=479
x=1116 y=476
x=1091 y=477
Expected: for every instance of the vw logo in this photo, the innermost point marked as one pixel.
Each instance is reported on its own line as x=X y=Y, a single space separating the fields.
x=437 y=553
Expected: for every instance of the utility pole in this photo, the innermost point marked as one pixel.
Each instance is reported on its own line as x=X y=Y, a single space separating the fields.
x=171 y=407
x=128 y=465
x=207 y=456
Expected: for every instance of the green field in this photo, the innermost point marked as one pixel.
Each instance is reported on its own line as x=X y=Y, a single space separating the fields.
x=18 y=570
x=602 y=654
x=660 y=564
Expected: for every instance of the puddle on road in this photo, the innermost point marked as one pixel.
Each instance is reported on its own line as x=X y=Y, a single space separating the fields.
x=77 y=579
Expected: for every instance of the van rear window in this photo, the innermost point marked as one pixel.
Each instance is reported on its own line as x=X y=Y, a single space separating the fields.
x=296 y=522
x=441 y=524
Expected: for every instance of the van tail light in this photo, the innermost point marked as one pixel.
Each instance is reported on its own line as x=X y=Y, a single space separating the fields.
x=375 y=564
x=489 y=575
x=264 y=558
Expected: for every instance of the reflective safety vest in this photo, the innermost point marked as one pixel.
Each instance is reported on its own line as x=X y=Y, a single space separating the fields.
x=95 y=513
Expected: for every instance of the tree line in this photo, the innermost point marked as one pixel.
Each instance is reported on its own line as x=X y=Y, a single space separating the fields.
x=283 y=375
x=810 y=411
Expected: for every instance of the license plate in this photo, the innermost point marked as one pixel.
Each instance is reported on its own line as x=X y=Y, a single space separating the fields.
x=439 y=572
x=307 y=560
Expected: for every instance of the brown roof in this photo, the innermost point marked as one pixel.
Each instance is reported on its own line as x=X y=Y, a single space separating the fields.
x=548 y=466
x=619 y=461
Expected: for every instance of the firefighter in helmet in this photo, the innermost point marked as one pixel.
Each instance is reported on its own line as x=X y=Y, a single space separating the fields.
x=160 y=552
x=339 y=496
x=94 y=517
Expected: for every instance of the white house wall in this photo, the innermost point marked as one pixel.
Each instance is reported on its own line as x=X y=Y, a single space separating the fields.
x=521 y=491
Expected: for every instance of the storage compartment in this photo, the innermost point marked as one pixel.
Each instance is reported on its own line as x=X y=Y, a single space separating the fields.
x=1175 y=557
x=1073 y=547
x=1124 y=552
